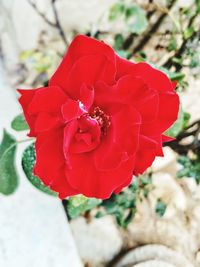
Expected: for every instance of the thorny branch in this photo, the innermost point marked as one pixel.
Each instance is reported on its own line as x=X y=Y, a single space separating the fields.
x=56 y=24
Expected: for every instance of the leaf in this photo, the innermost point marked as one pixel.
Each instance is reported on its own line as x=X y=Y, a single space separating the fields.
x=28 y=162
x=79 y=204
x=8 y=174
x=172 y=44
x=119 y=40
x=186 y=119
x=188 y=32
x=136 y=19
x=116 y=11
x=190 y=168
x=19 y=123
x=160 y=208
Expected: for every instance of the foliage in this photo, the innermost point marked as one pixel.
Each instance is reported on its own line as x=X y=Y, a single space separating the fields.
x=8 y=174
x=78 y=205
x=190 y=168
x=40 y=61
x=133 y=16
x=19 y=123
x=180 y=124
x=122 y=206
x=160 y=207
x=28 y=162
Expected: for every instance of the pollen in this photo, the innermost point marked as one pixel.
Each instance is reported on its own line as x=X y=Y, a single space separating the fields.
x=102 y=119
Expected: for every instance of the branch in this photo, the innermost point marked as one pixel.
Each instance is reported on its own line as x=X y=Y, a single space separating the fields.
x=55 y=24
x=42 y=15
x=169 y=63
x=154 y=28
x=193 y=146
x=129 y=40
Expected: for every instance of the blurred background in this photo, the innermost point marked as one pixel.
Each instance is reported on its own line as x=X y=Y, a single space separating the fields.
x=156 y=221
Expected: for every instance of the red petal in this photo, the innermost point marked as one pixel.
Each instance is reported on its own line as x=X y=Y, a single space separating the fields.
x=155 y=79
x=25 y=99
x=121 y=141
x=49 y=155
x=72 y=110
x=167 y=115
x=166 y=138
x=61 y=185
x=145 y=155
x=121 y=187
x=93 y=183
x=47 y=99
x=89 y=137
x=123 y=67
x=87 y=70
x=86 y=96
x=83 y=46
x=46 y=122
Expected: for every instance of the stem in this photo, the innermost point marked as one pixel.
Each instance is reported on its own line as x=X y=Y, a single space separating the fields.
x=25 y=140
x=194 y=145
x=169 y=63
x=55 y=24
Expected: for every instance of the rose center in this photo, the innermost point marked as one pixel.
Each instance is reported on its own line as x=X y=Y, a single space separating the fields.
x=102 y=119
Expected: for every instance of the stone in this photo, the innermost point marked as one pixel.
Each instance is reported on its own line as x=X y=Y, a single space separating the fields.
x=34 y=228
x=153 y=255
x=98 y=241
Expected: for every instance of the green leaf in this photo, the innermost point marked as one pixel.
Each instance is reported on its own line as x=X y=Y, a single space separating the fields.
x=190 y=168
x=172 y=44
x=177 y=127
x=186 y=119
x=8 y=174
x=116 y=11
x=160 y=208
x=19 y=123
x=136 y=19
x=188 y=32
x=197 y=2
x=79 y=204
x=119 y=40
x=28 y=162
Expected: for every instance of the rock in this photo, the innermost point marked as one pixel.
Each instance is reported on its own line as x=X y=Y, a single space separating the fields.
x=167 y=163
x=98 y=241
x=168 y=189
x=153 y=256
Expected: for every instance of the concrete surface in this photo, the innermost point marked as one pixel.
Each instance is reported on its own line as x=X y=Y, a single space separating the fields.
x=33 y=227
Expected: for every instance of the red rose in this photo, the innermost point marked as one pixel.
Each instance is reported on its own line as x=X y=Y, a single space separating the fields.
x=99 y=122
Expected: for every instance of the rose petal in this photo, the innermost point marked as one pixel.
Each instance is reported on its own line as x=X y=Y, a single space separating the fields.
x=45 y=122
x=167 y=115
x=47 y=99
x=25 y=99
x=72 y=110
x=83 y=46
x=145 y=154
x=121 y=141
x=92 y=183
x=88 y=70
